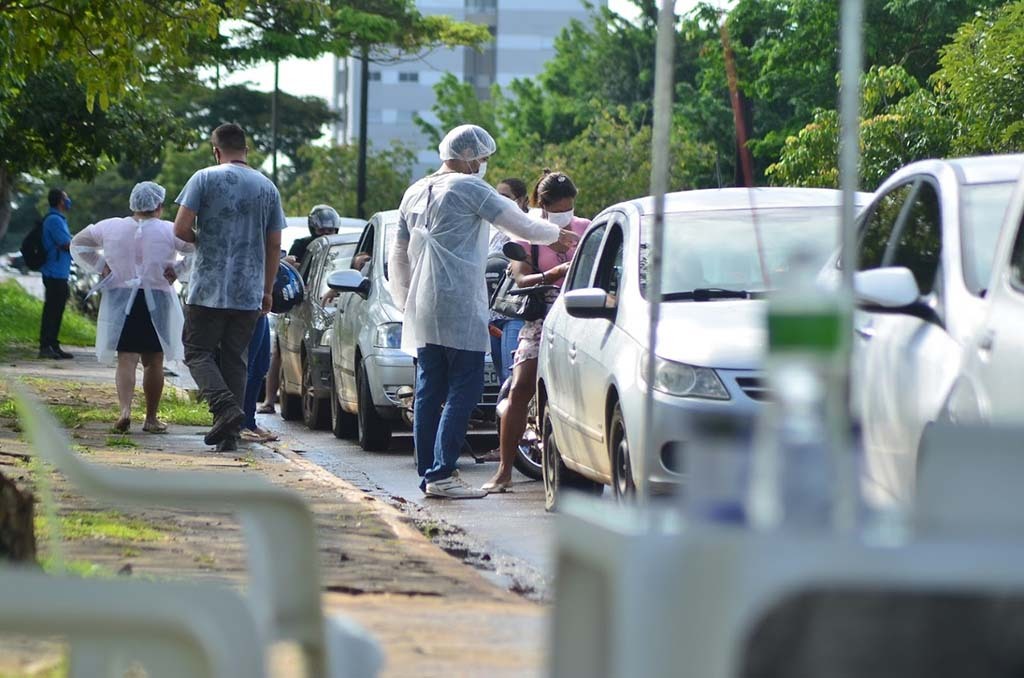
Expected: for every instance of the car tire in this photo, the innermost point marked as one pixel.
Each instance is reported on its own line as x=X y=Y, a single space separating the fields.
x=623 y=485
x=343 y=424
x=556 y=475
x=291 y=405
x=374 y=432
x=316 y=411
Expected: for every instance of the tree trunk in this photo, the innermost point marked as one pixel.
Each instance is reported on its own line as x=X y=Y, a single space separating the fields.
x=17 y=533
x=6 y=188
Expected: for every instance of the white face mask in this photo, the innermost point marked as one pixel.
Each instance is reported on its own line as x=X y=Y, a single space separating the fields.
x=481 y=170
x=561 y=219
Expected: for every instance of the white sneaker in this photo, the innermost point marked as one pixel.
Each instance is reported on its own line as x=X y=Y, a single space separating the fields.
x=453 y=487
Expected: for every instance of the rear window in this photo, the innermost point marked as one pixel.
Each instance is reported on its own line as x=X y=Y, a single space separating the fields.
x=983 y=207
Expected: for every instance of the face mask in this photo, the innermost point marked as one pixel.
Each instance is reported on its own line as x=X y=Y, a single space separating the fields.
x=560 y=219
x=481 y=170
x=67 y=203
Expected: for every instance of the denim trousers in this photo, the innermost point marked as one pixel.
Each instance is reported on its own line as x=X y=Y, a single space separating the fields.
x=259 y=363
x=502 y=347
x=449 y=384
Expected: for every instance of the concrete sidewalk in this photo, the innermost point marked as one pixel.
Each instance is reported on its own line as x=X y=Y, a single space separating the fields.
x=433 y=614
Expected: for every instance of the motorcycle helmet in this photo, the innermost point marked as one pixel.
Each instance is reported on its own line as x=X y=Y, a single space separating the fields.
x=323 y=220
x=289 y=290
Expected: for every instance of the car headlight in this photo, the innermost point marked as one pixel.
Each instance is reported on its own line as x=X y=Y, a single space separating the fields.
x=388 y=335
x=680 y=379
x=325 y=338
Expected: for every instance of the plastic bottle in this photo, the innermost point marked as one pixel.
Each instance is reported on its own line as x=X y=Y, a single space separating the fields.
x=803 y=473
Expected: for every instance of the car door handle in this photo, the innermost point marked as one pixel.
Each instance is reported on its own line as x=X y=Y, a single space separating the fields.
x=551 y=338
x=986 y=342
x=865 y=331
x=572 y=352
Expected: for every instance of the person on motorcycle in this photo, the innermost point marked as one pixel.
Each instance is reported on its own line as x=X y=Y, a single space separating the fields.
x=322 y=220
x=437 y=278
x=555 y=194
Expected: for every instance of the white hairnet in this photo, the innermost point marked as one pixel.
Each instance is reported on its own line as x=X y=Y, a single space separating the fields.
x=467 y=142
x=146 y=196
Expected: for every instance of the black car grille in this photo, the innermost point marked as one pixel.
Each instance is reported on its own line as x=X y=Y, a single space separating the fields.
x=754 y=387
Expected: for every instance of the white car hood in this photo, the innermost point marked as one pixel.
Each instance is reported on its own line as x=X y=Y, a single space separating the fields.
x=722 y=334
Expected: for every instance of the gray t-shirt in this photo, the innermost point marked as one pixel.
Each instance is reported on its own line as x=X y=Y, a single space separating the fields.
x=236 y=206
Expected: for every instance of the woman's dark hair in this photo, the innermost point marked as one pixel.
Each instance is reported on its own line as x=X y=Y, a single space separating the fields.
x=228 y=137
x=552 y=187
x=518 y=187
x=55 y=196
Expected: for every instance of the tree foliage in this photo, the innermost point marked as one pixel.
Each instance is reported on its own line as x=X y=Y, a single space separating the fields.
x=331 y=179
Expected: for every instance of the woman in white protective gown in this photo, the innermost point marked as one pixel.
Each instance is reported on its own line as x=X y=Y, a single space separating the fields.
x=140 y=315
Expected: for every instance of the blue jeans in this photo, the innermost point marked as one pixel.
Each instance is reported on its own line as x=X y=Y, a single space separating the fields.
x=449 y=383
x=502 y=347
x=259 y=363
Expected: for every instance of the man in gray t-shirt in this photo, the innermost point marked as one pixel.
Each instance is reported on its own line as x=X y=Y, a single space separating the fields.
x=233 y=214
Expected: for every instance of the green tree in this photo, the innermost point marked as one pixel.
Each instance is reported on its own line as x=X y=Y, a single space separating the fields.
x=331 y=179
x=981 y=74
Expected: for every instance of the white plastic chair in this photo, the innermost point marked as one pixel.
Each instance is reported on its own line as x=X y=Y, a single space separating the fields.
x=284 y=586
x=169 y=629
x=683 y=602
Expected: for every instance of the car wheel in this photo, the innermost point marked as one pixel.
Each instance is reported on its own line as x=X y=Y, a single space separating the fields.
x=374 y=431
x=622 y=467
x=556 y=475
x=291 y=405
x=529 y=452
x=315 y=411
x=343 y=424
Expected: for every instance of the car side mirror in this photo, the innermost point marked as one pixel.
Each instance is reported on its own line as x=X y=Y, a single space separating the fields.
x=590 y=303
x=349 y=280
x=892 y=290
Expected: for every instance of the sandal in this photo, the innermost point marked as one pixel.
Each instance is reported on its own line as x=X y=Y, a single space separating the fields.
x=250 y=436
x=265 y=409
x=121 y=425
x=492 y=455
x=155 y=427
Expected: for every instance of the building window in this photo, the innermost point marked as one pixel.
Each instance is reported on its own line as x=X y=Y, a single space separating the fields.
x=408 y=77
x=374 y=76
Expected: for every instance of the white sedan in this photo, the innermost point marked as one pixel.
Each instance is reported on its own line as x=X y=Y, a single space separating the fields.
x=927 y=242
x=722 y=250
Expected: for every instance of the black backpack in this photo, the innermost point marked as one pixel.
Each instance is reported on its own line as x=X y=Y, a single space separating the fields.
x=32 y=249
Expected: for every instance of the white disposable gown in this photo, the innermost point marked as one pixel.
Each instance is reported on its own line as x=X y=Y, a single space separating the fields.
x=436 y=267
x=138 y=252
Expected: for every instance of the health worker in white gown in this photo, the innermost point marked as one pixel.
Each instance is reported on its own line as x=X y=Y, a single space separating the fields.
x=140 y=315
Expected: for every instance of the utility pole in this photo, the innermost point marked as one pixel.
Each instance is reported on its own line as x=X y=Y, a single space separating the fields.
x=364 y=88
x=273 y=127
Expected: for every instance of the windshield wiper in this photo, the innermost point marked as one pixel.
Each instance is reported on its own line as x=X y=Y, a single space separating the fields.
x=708 y=294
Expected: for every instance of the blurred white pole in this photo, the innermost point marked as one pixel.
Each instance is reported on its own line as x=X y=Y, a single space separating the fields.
x=660 y=164
x=851 y=54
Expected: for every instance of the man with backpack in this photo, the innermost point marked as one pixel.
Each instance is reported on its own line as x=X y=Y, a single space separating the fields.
x=56 y=243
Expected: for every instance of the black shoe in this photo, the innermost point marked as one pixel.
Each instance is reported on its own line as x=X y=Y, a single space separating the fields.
x=229 y=444
x=62 y=353
x=226 y=424
x=49 y=352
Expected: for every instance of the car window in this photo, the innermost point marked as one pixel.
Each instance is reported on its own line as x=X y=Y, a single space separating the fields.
x=877 y=227
x=390 y=233
x=586 y=257
x=306 y=267
x=983 y=207
x=609 y=268
x=338 y=258
x=365 y=245
x=1017 y=259
x=918 y=243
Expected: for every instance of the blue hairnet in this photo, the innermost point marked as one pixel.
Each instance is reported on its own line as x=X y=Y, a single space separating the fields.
x=467 y=142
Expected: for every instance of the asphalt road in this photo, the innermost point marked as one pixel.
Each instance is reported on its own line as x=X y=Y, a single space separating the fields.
x=507 y=535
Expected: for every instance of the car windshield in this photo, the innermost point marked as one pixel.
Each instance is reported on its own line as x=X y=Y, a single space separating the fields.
x=984 y=206
x=719 y=250
x=338 y=259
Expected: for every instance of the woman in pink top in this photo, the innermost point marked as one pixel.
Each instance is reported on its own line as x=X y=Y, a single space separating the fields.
x=555 y=195
x=140 y=315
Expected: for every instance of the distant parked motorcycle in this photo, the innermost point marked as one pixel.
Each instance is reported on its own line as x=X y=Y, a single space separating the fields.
x=81 y=283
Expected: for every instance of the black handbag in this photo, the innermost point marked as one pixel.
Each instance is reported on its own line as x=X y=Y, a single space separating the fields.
x=528 y=306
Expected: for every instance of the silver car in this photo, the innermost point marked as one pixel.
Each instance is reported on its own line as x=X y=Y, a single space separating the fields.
x=369 y=368
x=721 y=250
x=927 y=244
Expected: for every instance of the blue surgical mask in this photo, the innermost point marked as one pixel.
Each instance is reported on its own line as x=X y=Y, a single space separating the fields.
x=67 y=203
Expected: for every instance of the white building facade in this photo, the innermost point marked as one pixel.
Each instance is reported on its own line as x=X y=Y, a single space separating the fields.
x=524 y=34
